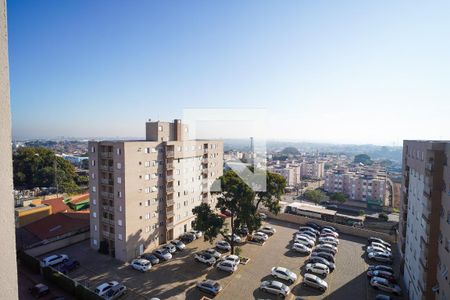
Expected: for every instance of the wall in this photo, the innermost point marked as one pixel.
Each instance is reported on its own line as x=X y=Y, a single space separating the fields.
x=8 y=272
x=364 y=233
x=39 y=250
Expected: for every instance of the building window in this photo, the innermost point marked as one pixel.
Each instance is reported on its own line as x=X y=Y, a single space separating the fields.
x=119 y=166
x=119 y=180
x=119 y=222
x=95 y=227
x=147 y=176
x=119 y=194
x=92 y=149
x=93 y=175
x=94 y=214
x=94 y=201
x=160 y=128
x=119 y=236
x=94 y=189
x=94 y=242
x=93 y=163
x=118 y=151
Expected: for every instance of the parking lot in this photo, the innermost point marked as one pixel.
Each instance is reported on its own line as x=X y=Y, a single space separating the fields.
x=176 y=279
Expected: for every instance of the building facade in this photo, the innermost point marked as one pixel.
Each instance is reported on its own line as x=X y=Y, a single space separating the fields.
x=313 y=169
x=424 y=228
x=142 y=192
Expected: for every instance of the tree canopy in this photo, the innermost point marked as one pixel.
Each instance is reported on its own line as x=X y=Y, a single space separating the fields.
x=242 y=202
x=290 y=150
x=315 y=195
x=36 y=167
x=363 y=158
x=340 y=197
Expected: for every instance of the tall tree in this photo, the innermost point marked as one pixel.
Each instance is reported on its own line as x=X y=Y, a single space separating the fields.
x=242 y=203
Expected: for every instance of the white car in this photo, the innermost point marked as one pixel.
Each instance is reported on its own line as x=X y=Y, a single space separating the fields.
x=317 y=268
x=384 y=285
x=205 y=258
x=314 y=281
x=268 y=230
x=329 y=231
x=329 y=240
x=308 y=228
x=170 y=247
x=275 y=287
x=304 y=241
x=370 y=249
x=54 y=260
x=326 y=247
x=233 y=258
x=260 y=236
x=227 y=266
x=103 y=288
x=263 y=216
x=375 y=244
x=301 y=248
x=178 y=244
x=235 y=238
x=312 y=239
x=214 y=253
x=141 y=264
x=283 y=273
x=162 y=254
x=223 y=245
x=198 y=234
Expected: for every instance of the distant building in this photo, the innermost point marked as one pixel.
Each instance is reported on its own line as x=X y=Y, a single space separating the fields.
x=424 y=239
x=29 y=214
x=312 y=170
x=142 y=192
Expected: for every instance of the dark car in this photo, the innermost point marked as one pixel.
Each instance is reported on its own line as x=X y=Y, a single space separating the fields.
x=313 y=225
x=382 y=297
x=188 y=237
x=330 y=227
x=383 y=274
x=318 y=259
x=39 y=290
x=332 y=206
x=380 y=268
x=242 y=231
x=209 y=286
x=326 y=255
x=151 y=258
x=68 y=265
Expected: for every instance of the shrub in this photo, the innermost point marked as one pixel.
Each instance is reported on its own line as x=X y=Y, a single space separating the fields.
x=383 y=217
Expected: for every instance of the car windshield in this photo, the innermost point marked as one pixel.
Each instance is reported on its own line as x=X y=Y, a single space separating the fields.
x=164 y=251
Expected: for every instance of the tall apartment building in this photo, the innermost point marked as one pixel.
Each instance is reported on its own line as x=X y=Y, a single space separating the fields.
x=312 y=169
x=142 y=192
x=424 y=239
x=358 y=186
x=290 y=172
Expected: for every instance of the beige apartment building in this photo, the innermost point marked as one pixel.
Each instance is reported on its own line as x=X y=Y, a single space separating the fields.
x=290 y=172
x=142 y=192
x=312 y=169
x=358 y=186
x=424 y=228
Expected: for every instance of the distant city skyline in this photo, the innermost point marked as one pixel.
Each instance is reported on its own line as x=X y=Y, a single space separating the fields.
x=346 y=72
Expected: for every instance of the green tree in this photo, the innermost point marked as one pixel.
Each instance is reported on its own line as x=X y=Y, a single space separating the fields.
x=340 y=197
x=242 y=203
x=315 y=195
x=40 y=167
x=363 y=158
x=290 y=151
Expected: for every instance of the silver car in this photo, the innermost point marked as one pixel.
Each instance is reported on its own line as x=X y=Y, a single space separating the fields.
x=275 y=287
x=315 y=282
x=384 y=285
x=227 y=266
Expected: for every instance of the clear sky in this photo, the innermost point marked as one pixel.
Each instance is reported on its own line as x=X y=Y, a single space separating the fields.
x=325 y=71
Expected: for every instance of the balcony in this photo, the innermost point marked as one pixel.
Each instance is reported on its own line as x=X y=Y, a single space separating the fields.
x=106 y=154
x=107 y=181
x=170 y=203
x=427 y=192
x=169 y=178
x=108 y=221
x=205 y=150
x=169 y=189
x=106 y=168
x=170 y=214
x=108 y=208
x=169 y=166
x=107 y=195
x=169 y=153
x=205 y=171
x=108 y=234
x=429 y=167
x=204 y=161
x=169 y=225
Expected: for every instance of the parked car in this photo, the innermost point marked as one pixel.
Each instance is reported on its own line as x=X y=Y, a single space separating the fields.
x=308 y=228
x=243 y=231
x=179 y=245
x=53 y=260
x=329 y=240
x=317 y=268
x=312 y=239
x=380 y=268
x=378 y=240
x=326 y=235
x=308 y=233
x=304 y=241
x=227 y=266
x=39 y=290
x=275 y=287
x=326 y=250
x=115 y=292
x=332 y=207
x=205 y=258
x=381 y=257
x=170 y=247
x=198 y=234
x=259 y=237
x=68 y=265
x=104 y=287
x=329 y=231
x=188 y=237
x=326 y=255
x=318 y=259
x=370 y=249
x=223 y=245
x=263 y=216
x=327 y=246
x=236 y=238
x=216 y=254
x=298 y=247
x=382 y=297
x=383 y=274
x=375 y=244
x=268 y=230
x=209 y=286
x=330 y=228
x=283 y=273
x=315 y=282
x=313 y=225
x=141 y=264
x=233 y=258
x=384 y=285
x=150 y=257
x=162 y=254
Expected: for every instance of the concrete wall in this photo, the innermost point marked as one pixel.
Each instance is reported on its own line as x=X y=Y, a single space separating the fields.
x=39 y=250
x=8 y=271
x=364 y=233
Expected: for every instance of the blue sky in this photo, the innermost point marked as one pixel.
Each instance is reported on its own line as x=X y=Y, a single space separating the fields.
x=325 y=71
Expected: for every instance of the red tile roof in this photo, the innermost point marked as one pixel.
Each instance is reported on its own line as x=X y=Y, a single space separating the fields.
x=57 y=205
x=56 y=225
x=79 y=198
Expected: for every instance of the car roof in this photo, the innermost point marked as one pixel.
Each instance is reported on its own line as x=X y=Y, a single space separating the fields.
x=282 y=269
x=209 y=281
x=311 y=276
x=380 y=279
x=321 y=265
x=276 y=283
